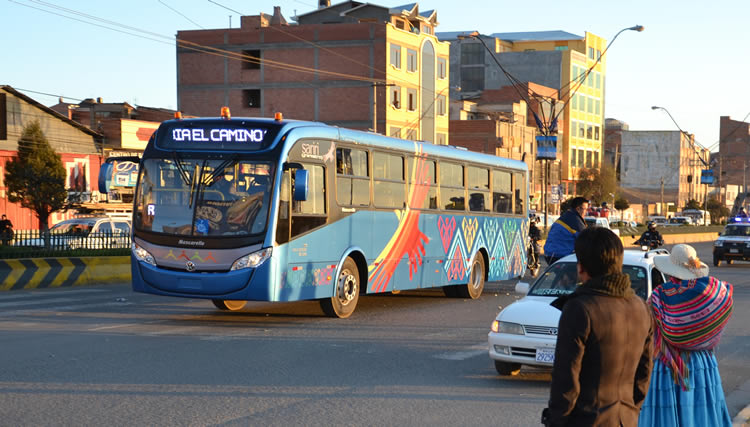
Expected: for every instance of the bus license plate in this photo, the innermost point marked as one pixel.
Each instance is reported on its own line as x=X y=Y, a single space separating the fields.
x=546 y=355
x=733 y=251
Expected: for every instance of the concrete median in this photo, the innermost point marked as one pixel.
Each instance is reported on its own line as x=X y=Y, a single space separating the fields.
x=39 y=273
x=669 y=239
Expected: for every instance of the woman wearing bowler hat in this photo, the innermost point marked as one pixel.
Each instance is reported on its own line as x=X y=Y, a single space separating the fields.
x=690 y=311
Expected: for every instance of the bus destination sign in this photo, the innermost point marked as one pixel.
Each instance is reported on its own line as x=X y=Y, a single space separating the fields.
x=215 y=135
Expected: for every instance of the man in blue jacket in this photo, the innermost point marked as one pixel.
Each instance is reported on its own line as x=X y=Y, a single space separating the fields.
x=562 y=235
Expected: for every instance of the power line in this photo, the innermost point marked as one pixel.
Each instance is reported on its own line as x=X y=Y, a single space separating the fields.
x=179 y=13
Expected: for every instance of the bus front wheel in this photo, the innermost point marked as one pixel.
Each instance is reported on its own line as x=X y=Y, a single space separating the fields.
x=229 y=305
x=346 y=294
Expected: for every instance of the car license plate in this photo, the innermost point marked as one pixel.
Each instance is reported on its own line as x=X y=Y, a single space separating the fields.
x=733 y=251
x=546 y=355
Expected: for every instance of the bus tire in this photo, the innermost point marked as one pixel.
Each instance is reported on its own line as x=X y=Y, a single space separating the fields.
x=474 y=288
x=346 y=293
x=229 y=305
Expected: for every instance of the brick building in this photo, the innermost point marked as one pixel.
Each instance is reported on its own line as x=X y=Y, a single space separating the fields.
x=734 y=153
x=323 y=69
x=78 y=146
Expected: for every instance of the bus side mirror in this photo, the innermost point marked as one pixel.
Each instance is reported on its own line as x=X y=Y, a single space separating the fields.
x=300 y=185
x=105 y=177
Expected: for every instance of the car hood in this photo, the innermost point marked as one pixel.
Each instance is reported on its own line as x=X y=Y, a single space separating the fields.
x=531 y=310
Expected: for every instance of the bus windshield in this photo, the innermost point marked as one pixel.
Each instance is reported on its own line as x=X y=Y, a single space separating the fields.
x=201 y=197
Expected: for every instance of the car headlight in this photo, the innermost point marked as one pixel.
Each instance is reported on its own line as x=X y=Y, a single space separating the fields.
x=747 y=245
x=253 y=260
x=507 y=328
x=719 y=243
x=143 y=255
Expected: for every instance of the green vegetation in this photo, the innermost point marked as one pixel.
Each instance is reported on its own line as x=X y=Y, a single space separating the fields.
x=35 y=178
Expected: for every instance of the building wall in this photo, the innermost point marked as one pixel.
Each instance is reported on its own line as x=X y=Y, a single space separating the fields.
x=651 y=157
x=734 y=152
x=77 y=149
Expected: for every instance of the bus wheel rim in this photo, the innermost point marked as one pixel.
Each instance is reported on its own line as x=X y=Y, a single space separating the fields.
x=347 y=288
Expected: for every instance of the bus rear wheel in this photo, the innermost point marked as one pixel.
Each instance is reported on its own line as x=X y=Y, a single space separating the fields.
x=474 y=288
x=346 y=294
x=228 y=304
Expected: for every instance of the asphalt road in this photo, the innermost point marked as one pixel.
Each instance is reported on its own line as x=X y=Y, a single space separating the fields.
x=106 y=356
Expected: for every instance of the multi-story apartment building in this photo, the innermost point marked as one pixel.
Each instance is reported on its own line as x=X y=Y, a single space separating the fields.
x=555 y=59
x=662 y=162
x=353 y=64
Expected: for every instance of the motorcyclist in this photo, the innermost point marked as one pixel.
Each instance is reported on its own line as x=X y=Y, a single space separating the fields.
x=535 y=234
x=650 y=235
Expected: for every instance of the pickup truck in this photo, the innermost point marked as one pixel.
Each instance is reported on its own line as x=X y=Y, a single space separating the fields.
x=596 y=221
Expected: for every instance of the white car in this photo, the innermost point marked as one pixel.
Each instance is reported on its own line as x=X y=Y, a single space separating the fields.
x=525 y=332
x=84 y=233
x=597 y=221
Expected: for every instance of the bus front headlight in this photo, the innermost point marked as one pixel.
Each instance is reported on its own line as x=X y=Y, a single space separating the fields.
x=143 y=255
x=254 y=260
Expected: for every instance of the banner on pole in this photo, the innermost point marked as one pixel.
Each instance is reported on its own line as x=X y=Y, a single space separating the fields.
x=546 y=147
x=707 y=176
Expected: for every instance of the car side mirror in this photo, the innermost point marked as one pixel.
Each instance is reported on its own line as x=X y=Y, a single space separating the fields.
x=300 y=185
x=522 y=288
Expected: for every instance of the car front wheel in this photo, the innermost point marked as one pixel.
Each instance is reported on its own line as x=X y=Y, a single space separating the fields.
x=506 y=368
x=717 y=261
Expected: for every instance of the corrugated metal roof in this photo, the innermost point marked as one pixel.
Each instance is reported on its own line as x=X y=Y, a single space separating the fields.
x=537 y=36
x=453 y=35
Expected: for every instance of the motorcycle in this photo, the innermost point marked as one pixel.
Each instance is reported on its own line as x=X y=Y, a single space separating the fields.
x=647 y=245
x=532 y=257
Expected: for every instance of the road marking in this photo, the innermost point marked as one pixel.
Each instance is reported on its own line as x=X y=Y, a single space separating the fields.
x=123 y=325
x=6 y=296
x=470 y=352
x=36 y=301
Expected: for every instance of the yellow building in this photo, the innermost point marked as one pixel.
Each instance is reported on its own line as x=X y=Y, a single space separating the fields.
x=417 y=77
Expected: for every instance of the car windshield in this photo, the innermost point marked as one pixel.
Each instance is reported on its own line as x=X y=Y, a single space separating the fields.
x=590 y=222
x=736 y=230
x=73 y=228
x=677 y=221
x=199 y=197
x=562 y=278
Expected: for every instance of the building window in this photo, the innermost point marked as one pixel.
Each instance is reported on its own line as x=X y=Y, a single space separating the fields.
x=411 y=135
x=573 y=128
x=411 y=100
x=598 y=80
x=395 y=132
x=575 y=102
x=441 y=139
x=396 y=97
x=590 y=106
x=399 y=23
x=472 y=79
x=596 y=159
x=580 y=158
x=426 y=29
x=591 y=53
x=581 y=130
x=589 y=132
x=396 y=56
x=251 y=59
x=561 y=47
x=598 y=54
x=411 y=60
x=442 y=70
x=589 y=162
x=251 y=98
x=441 y=105
x=597 y=106
x=572 y=157
x=472 y=54
x=596 y=133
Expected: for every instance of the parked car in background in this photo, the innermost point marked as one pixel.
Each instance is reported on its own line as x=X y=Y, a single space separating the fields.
x=678 y=220
x=698 y=217
x=525 y=332
x=658 y=220
x=82 y=233
x=596 y=221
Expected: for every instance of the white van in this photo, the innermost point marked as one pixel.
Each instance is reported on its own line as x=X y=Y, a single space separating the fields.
x=658 y=220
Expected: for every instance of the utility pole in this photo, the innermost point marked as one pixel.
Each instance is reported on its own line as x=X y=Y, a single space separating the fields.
x=661 y=204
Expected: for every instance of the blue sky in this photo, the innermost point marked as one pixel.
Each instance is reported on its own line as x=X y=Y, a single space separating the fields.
x=692 y=58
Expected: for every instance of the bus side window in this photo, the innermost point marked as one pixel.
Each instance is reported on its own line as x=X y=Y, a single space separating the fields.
x=501 y=192
x=310 y=213
x=519 y=194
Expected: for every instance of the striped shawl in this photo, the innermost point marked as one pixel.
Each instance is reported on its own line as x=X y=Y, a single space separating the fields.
x=689 y=315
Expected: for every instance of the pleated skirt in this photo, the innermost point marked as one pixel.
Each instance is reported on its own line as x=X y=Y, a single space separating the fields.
x=702 y=405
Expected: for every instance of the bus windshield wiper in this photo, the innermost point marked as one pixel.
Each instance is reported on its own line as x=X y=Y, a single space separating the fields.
x=211 y=180
x=186 y=178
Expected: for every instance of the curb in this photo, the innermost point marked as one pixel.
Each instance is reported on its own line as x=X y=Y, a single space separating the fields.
x=39 y=273
x=742 y=418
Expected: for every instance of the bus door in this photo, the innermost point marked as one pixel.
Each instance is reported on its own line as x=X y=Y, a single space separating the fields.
x=310 y=256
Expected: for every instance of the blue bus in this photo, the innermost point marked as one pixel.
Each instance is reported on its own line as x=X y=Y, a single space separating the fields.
x=252 y=209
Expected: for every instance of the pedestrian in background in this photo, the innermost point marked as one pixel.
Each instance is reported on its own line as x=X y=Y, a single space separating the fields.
x=603 y=352
x=690 y=312
x=6 y=230
x=562 y=235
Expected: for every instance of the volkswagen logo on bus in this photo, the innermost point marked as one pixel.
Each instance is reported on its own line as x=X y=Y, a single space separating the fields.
x=190 y=266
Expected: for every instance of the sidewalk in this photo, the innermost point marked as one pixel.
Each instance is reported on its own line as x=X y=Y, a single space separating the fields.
x=737 y=398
